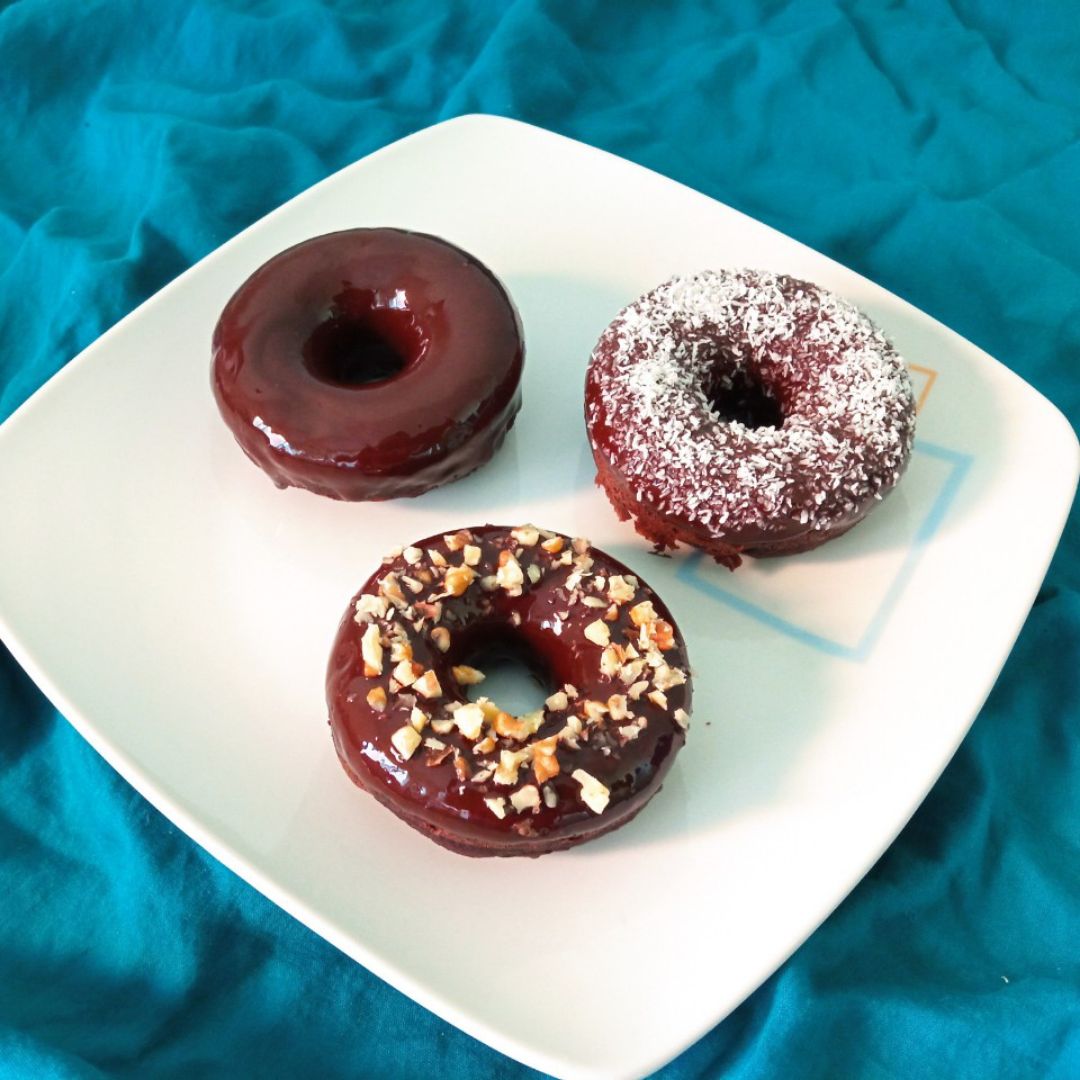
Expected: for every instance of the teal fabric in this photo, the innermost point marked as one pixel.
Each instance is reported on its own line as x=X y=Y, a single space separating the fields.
x=933 y=146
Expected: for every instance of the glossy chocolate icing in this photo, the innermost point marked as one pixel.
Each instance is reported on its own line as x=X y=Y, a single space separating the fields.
x=369 y=364
x=432 y=797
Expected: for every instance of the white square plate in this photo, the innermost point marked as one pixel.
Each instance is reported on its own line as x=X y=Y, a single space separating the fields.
x=179 y=610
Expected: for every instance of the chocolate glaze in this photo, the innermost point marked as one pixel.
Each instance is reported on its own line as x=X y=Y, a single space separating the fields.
x=369 y=364
x=432 y=797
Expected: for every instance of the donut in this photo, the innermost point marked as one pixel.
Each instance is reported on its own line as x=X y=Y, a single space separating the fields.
x=412 y=726
x=745 y=412
x=369 y=364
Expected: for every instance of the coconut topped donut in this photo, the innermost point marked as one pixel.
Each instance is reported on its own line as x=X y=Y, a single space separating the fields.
x=412 y=725
x=746 y=412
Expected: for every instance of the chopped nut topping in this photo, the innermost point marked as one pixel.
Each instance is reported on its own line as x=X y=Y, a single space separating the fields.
x=545 y=764
x=558 y=701
x=497 y=806
x=405 y=741
x=570 y=689
x=521 y=727
x=376 y=698
x=470 y=720
x=485 y=745
x=371 y=651
x=412 y=584
x=412 y=555
x=658 y=698
x=620 y=591
x=609 y=661
x=506 y=772
x=594 y=602
x=400 y=649
x=430 y=611
x=390 y=587
x=534 y=573
x=418 y=718
x=527 y=535
x=551 y=798
x=461 y=767
x=553 y=546
x=594 y=711
x=428 y=685
x=637 y=689
x=509 y=575
x=593 y=794
x=665 y=677
x=406 y=672
x=467 y=676
x=471 y=554
x=662 y=634
x=580 y=545
x=443 y=726
x=643 y=613
x=456 y=541
x=481 y=776
x=368 y=605
x=458 y=579
x=489 y=583
x=441 y=638
x=525 y=798
x=599 y=633
x=612 y=613
x=617 y=707
x=682 y=718
x=437 y=557
x=630 y=671
x=434 y=744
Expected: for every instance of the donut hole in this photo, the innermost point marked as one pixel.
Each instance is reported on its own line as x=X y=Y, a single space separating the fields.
x=737 y=396
x=516 y=678
x=366 y=339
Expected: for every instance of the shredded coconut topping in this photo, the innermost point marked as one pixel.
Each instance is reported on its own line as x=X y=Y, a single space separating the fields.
x=842 y=389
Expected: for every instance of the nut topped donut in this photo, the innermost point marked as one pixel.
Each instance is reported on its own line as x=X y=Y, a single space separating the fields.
x=412 y=726
x=369 y=364
x=746 y=413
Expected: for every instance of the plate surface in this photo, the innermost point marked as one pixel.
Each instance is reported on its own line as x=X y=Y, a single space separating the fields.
x=179 y=610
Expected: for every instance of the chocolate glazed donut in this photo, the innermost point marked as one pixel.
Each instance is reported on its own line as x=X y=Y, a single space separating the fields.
x=466 y=773
x=369 y=364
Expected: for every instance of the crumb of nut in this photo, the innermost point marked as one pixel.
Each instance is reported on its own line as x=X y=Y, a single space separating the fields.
x=525 y=798
x=489 y=583
x=534 y=573
x=594 y=711
x=412 y=584
x=376 y=698
x=371 y=651
x=418 y=718
x=682 y=718
x=481 y=776
x=497 y=806
x=631 y=670
x=428 y=685
x=412 y=555
x=527 y=535
x=598 y=632
x=570 y=690
x=390 y=587
x=437 y=557
x=665 y=677
x=405 y=741
x=593 y=794
x=368 y=606
x=509 y=575
x=441 y=638
x=662 y=634
x=643 y=613
x=470 y=720
x=609 y=661
x=593 y=602
x=437 y=757
x=434 y=744
x=658 y=698
x=545 y=763
x=637 y=689
x=485 y=745
x=400 y=649
x=461 y=767
x=458 y=579
x=406 y=672
x=471 y=554
x=467 y=676
x=558 y=701
x=580 y=545
x=617 y=708
x=551 y=798
x=510 y=727
x=506 y=772
x=553 y=546
x=443 y=726
x=432 y=611
x=619 y=590
x=515 y=618
x=629 y=732
x=611 y=614
x=456 y=541
x=391 y=555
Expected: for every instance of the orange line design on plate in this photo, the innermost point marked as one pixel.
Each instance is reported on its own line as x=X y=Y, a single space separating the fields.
x=931 y=375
